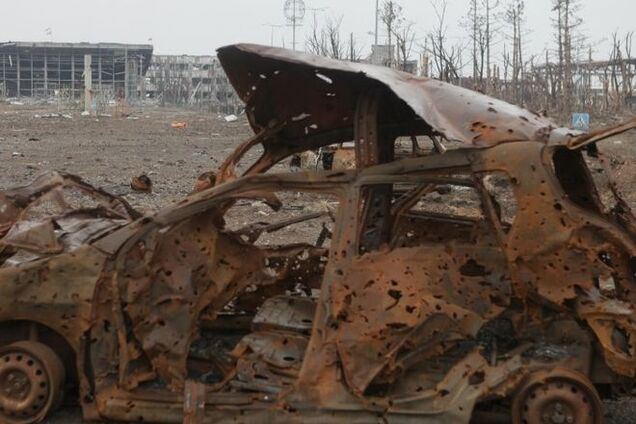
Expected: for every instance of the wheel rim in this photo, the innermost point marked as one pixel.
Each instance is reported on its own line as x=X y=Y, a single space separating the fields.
x=557 y=397
x=31 y=382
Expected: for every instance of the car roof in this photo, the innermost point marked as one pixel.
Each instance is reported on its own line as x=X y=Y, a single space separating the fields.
x=318 y=95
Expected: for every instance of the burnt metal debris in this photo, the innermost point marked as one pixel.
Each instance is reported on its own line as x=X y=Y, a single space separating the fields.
x=490 y=278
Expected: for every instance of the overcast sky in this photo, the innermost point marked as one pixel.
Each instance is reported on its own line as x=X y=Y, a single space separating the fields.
x=199 y=27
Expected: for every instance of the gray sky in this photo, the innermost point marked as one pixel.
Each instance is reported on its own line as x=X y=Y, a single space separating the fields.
x=199 y=27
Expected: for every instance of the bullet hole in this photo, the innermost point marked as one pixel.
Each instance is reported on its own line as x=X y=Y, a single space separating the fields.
x=395 y=294
x=396 y=325
x=620 y=340
x=477 y=378
x=473 y=269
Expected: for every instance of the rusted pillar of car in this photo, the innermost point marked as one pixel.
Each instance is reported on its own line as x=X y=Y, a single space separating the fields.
x=193 y=402
x=373 y=146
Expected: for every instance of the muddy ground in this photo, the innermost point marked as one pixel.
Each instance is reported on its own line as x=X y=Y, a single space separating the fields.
x=108 y=150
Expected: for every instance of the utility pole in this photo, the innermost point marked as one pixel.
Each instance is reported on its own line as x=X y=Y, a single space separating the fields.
x=377 y=20
x=272 y=26
x=294 y=12
x=294 y=27
x=351 y=52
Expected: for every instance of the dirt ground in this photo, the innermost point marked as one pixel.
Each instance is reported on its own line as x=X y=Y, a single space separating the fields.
x=108 y=150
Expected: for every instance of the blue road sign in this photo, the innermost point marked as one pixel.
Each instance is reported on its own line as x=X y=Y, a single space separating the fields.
x=581 y=121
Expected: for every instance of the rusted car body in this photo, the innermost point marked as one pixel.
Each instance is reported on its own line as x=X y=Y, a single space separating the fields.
x=486 y=280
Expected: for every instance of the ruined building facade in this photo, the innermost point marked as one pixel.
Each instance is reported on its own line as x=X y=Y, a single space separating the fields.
x=45 y=69
x=197 y=81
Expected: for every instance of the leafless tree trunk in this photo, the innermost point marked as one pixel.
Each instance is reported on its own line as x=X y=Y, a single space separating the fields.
x=506 y=64
x=336 y=46
x=479 y=24
x=625 y=66
x=476 y=24
x=327 y=40
x=567 y=23
x=514 y=18
x=490 y=7
x=391 y=17
x=404 y=39
x=446 y=60
x=355 y=52
x=315 y=42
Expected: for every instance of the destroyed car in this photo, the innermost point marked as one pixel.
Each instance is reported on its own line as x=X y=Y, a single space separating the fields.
x=485 y=282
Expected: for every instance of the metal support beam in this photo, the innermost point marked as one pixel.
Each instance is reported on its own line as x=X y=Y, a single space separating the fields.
x=99 y=71
x=31 y=74
x=72 y=76
x=141 y=81
x=126 y=74
x=88 y=83
x=113 y=75
x=4 y=74
x=18 y=77
x=46 y=74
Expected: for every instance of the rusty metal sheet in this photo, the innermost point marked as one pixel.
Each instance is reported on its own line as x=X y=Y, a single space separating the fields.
x=36 y=236
x=331 y=108
x=268 y=79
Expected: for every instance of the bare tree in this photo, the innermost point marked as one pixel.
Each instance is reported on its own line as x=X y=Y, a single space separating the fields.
x=392 y=18
x=514 y=17
x=479 y=22
x=628 y=74
x=355 y=51
x=476 y=24
x=618 y=74
x=336 y=46
x=490 y=10
x=566 y=24
x=315 y=41
x=446 y=60
x=327 y=40
x=404 y=39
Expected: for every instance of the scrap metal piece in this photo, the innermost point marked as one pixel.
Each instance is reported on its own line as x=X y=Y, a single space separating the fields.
x=285 y=313
x=204 y=181
x=141 y=183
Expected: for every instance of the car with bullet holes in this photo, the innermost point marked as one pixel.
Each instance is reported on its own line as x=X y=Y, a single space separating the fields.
x=477 y=264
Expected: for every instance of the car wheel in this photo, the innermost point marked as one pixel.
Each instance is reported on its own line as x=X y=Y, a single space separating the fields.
x=558 y=396
x=31 y=382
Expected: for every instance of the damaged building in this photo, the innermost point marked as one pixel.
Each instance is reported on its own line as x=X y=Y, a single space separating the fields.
x=191 y=80
x=47 y=69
